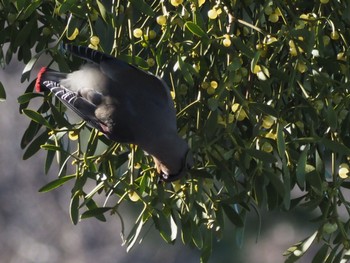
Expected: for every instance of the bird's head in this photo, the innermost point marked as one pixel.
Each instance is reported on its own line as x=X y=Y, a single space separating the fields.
x=167 y=174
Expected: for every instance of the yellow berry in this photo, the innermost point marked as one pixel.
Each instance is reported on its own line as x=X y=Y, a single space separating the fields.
x=212 y=14
x=271 y=40
x=241 y=115
x=271 y=135
x=343 y=170
x=278 y=11
x=94 y=40
x=226 y=42
x=176 y=2
x=137 y=32
x=46 y=31
x=293 y=51
x=341 y=56
x=304 y=16
x=330 y=228
x=267 y=147
x=205 y=85
x=326 y=40
x=133 y=196
x=200 y=2
x=268 y=10
x=161 y=20
x=152 y=34
x=73 y=135
x=273 y=18
x=137 y=165
x=301 y=67
x=231 y=118
x=318 y=104
x=324 y=1
x=268 y=121
x=210 y=90
x=235 y=107
x=256 y=69
x=335 y=35
x=151 y=62
x=291 y=44
x=213 y=84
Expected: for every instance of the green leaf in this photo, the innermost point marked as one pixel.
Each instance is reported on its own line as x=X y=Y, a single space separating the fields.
x=134 y=234
x=186 y=71
x=48 y=161
x=232 y=215
x=298 y=250
x=264 y=108
x=34 y=147
x=143 y=7
x=30 y=9
x=96 y=212
x=321 y=254
x=261 y=155
x=186 y=232
x=30 y=133
x=2 y=93
x=54 y=148
x=331 y=117
x=163 y=226
x=74 y=208
x=36 y=117
x=335 y=146
x=67 y=5
x=255 y=60
x=59 y=117
x=281 y=144
x=24 y=33
x=331 y=255
x=102 y=10
x=197 y=236
x=195 y=29
x=56 y=183
x=243 y=47
x=26 y=97
x=207 y=247
x=135 y=60
x=301 y=167
x=276 y=182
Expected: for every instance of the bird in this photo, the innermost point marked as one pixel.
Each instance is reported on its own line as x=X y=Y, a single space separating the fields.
x=125 y=103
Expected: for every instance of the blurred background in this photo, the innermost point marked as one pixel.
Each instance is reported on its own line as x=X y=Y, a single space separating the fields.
x=35 y=227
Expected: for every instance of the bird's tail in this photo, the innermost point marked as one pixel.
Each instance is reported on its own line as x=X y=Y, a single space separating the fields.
x=46 y=75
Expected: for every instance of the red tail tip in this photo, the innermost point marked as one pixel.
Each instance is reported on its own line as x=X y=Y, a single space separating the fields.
x=38 y=79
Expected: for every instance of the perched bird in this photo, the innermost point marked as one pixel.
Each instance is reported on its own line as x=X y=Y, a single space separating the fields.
x=125 y=103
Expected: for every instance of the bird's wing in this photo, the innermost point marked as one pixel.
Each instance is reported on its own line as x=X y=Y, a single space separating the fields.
x=123 y=73
x=81 y=106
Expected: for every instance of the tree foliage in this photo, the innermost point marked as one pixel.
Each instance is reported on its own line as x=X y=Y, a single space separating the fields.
x=261 y=90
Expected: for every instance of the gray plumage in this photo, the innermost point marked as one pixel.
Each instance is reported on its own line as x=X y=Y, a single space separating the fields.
x=125 y=103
